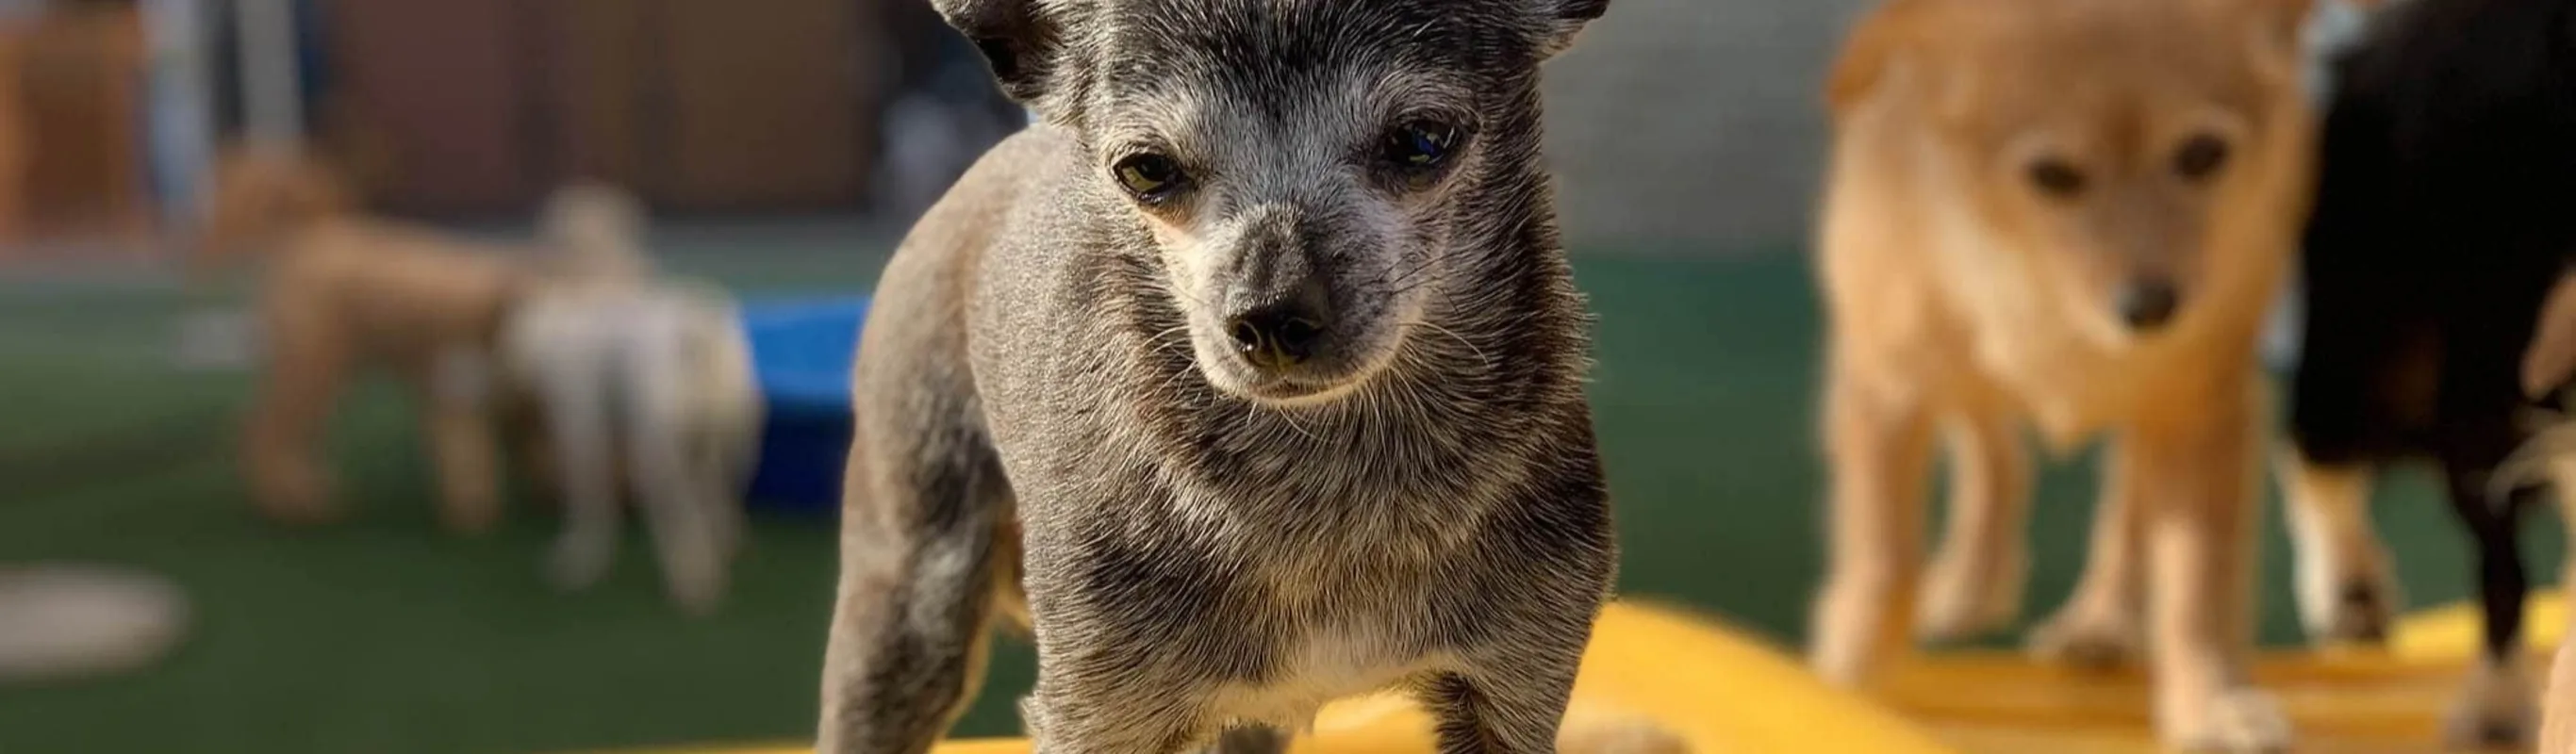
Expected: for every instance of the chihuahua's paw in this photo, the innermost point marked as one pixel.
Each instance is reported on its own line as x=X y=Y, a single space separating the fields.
x=1962 y=600
x=2085 y=639
x=2240 y=721
x=2495 y=711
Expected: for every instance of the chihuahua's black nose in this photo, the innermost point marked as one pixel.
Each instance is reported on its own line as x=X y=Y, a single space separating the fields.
x=2149 y=303
x=1284 y=333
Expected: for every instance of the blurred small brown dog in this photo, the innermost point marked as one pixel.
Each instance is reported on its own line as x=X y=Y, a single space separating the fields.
x=345 y=293
x=2073 y=214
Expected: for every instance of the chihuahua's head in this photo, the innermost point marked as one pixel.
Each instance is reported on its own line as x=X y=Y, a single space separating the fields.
x=1308 y=170
x=2125 y=150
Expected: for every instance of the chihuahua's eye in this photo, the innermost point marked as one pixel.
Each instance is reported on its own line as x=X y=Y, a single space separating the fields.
x=1421 y=144
x=2200 y=157
x=1149 y=177
x=2056 y=178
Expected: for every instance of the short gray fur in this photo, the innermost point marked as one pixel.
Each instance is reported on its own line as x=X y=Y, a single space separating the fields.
x=1214 y=547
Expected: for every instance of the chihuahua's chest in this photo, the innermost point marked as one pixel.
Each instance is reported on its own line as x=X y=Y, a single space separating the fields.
x=1337 y=628
x=1315 y=665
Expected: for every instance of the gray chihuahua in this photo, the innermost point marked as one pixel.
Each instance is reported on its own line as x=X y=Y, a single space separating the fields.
x=1253 y=373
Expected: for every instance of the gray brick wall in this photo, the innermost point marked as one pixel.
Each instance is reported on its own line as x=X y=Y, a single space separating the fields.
x=1693 y=126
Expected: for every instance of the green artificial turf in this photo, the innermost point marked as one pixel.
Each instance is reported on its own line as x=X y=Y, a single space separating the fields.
x=383 y=636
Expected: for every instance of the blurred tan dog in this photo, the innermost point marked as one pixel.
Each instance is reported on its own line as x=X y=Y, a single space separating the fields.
x=2548 y=364
x=345 y=292
x=574 y=348
x=2073 y=214
x=639 y=378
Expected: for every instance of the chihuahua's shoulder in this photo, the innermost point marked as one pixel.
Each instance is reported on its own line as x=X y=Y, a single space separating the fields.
x=1018 y=183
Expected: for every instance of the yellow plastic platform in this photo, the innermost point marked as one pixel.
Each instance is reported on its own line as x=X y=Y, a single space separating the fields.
x=2450 y=633
x=1707 y=688
x=2343 y=701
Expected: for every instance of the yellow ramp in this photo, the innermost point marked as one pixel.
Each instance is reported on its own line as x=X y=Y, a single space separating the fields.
x=2344 y=701
x=1715 y=689
x=1708 y=686
x=2451 y=633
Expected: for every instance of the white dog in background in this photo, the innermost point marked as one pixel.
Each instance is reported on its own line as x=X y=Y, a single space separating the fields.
x=630 y=371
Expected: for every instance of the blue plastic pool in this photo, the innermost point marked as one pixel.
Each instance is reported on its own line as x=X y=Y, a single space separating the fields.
x=802 y=350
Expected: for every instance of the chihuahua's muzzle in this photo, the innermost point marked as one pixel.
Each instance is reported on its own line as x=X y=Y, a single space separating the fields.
x=1280 y=310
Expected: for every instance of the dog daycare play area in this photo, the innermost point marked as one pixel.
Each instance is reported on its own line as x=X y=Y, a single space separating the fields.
x=168 y=584
x=382 y=634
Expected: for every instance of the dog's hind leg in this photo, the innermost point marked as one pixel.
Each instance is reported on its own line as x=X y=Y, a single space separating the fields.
x=1975 y=583
x=2344 y=581
x=572 y=383
x=2098 y=626
x=2496 y=706
x=306 y=363
x=728 y=414
x=1878 y=444
x=683 y=504
x=469 y=467
x=457 y=410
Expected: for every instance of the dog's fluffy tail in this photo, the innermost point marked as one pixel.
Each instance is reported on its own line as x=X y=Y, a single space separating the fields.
x=596 y=231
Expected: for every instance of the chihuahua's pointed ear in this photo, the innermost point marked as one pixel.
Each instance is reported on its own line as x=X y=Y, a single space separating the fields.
x=2550 y=361
x=1563 y=19
x=1021 y=40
